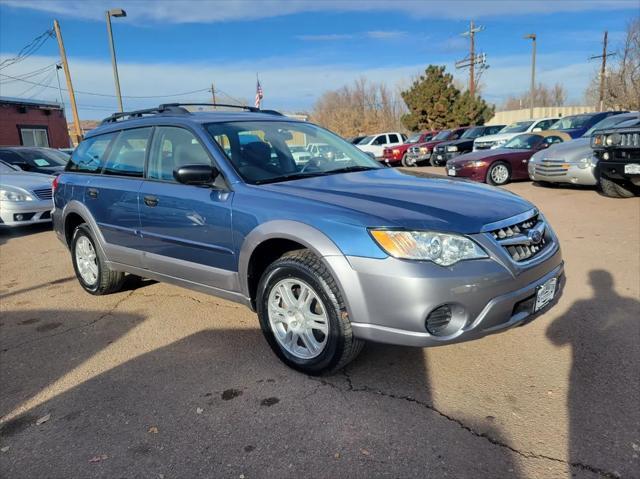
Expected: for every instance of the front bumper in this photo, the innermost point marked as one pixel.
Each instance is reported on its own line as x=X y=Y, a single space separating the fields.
x=390 y=299
x=470 y=173
x=615 y=169
x=420 y=156
x=19 y=213
x=562 y=172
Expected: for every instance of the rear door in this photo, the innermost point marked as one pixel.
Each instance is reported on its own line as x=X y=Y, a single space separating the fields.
x=112 y=197
x=186 y=229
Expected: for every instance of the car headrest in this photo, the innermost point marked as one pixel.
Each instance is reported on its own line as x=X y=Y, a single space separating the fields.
x=257 y=153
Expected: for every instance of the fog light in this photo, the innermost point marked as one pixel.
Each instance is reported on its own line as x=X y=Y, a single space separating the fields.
x=18 y=217
x=438 y=320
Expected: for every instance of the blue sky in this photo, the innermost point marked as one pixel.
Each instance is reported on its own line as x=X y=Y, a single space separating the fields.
x=301 y=48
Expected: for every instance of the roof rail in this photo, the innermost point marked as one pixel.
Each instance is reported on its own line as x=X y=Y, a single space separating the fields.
x=148 y=111
x=252 y=109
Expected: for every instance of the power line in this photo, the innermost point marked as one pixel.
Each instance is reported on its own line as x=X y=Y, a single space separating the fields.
x=30 y=74
x=106 y=95
x=28 y=50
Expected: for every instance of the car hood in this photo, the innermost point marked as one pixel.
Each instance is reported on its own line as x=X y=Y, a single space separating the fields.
x=574 y=132
x=569 y=150
x=486 y=154
x=412 y=200
x=29 y=181
x=458 y=142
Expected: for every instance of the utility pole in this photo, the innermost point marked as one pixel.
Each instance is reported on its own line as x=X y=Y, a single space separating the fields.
x=115 y=12
x=472 y=60
x=213 y=93
x=603 y=69
x=72 y=95
x=532 y=37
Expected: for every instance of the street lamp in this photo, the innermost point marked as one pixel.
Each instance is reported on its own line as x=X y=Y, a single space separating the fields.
x=115 y=12
x=532 y=37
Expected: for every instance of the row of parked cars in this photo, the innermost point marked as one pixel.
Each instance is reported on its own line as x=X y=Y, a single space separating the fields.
x=546 y=150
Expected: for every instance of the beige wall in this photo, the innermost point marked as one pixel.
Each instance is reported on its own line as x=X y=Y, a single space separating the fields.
x=510 y=116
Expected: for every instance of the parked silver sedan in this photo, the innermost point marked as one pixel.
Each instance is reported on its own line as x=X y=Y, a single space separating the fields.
x=573 y=162
x=25 y=198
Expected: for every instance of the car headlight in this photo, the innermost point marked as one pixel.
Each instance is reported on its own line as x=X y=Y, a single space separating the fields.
x=477 y=163
x=585 y=162
x=499 y=143
x=613 y=140
x=440 y=248
x=452 y=148
x=424 y=149
x=7 y=194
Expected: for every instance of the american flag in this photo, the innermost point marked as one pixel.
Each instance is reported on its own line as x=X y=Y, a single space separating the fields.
x=259 y=93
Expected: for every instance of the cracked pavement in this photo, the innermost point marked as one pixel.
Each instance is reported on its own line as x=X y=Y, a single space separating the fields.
x=157 y=381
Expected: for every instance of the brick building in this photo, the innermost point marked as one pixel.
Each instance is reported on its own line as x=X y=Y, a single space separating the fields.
x=32 y=123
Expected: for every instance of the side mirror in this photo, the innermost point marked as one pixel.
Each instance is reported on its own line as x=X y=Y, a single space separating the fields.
x=196 y=174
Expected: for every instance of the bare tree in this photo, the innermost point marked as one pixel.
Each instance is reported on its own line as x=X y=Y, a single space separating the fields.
x=542 y=96
x=361 y=108
x=622 y=78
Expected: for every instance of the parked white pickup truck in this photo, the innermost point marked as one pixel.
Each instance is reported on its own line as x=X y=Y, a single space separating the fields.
x=376 y=144
x=513 y=130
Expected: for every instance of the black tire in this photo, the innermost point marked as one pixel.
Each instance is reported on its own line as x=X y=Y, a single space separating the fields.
x=407 y=162
x=615 y=190
x=107 y=281
x=492 y=168
x=341 y=346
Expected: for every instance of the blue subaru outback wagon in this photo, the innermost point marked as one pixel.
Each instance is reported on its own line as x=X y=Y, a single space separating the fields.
x=330 y=252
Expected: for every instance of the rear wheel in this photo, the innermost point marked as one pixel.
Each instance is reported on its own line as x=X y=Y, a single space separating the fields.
x=498 y=174
x=303 y=316
x=91 y=270
x=615 y=190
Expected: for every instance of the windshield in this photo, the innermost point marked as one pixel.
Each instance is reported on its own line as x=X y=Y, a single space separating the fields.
x=269 y=159
x=414 y=138
x=609 y=122
x=44 y=158
x=518 y=127
x=472 y=133
x=523 y=142
x=7 y=168
x=442 y=135
x=570 y=122
x=365 y=141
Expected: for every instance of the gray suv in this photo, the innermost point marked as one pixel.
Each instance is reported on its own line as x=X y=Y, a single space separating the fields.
x=330 y=253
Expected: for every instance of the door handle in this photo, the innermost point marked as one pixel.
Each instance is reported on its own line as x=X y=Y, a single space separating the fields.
x=92 y=193
x=151 y=201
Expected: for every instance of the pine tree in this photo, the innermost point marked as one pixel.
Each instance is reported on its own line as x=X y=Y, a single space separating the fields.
x=434 y=103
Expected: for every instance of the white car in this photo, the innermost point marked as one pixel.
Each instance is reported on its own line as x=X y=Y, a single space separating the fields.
x=377 y=143
x=300 y=154
x=25 y=198
x=322 y=150
x=515 y=129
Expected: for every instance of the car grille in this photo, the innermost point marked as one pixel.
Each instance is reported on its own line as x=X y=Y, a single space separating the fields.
x=414 y=150
x=551 y=167
x=44 y=193
x=439 y=149
x=630 y=139
x=525 y=239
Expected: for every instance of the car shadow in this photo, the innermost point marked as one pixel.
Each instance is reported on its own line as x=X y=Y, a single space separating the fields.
x=604 y=385
x=6 y=232
x=218 y=403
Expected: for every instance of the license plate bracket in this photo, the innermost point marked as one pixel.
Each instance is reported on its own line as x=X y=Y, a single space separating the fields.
x=545 y=293
x=632 y=169
x=451 y=172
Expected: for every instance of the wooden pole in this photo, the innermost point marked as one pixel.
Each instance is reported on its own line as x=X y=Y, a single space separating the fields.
x=603 y=70
x=472 y=59
x=72 y=95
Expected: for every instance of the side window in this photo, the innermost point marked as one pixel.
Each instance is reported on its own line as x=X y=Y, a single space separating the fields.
x=381 y=140
x=393 y=139
x=552 y=140
x=88 y=157
x=172 y=148
x=128 y=153
x=494 y=129
x=544 y=125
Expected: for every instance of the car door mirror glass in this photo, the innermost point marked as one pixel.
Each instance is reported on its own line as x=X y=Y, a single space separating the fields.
x=196 y=174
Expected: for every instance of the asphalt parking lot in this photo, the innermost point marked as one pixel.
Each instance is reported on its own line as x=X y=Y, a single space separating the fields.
x=161 y=382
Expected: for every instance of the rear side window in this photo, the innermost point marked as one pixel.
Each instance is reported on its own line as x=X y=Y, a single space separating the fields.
x=172 y=148
x=128 y=153
x=393 y=139
x=545 y=124
x=89 y=156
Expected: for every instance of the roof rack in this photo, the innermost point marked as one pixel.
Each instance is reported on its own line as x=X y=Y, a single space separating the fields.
x=148 y=111
x=178 y=108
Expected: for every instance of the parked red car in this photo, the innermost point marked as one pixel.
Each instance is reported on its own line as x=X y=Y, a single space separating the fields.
x=398 y=153
x=509 y=162
x=421 y=152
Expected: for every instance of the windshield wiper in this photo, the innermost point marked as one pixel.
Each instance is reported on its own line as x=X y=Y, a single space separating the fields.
x=348 y=169
x=292 y=176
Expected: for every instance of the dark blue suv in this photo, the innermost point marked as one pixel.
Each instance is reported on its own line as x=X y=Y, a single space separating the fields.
x=329 y=250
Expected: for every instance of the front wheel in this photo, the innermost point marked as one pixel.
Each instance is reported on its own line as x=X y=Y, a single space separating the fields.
x=303 y=316
x=615 y=190
x=408 y=161
x=498 y=174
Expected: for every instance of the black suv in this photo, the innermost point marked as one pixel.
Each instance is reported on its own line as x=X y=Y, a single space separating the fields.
x=618 y=169
x=450 y=149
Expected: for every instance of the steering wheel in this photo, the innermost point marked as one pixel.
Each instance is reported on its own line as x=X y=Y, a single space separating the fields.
x=315 y=162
